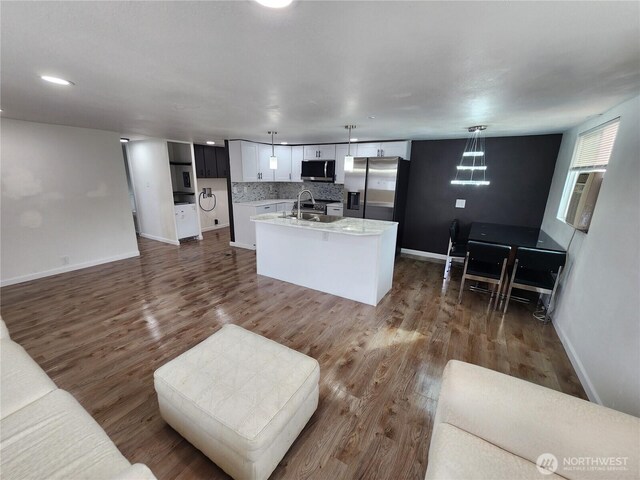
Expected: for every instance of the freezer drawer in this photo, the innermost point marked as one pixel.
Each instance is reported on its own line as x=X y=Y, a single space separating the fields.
x=186 y=221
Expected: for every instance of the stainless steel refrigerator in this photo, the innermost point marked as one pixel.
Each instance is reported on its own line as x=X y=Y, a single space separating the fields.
x=376 y=188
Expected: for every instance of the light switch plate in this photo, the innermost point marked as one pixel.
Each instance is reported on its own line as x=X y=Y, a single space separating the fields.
x=460 y=203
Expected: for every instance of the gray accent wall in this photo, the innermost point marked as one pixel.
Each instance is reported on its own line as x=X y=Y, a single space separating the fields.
x=520 y=170
x=597 y=314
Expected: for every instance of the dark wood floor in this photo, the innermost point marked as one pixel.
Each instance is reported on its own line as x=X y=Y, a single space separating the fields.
x=100 y=333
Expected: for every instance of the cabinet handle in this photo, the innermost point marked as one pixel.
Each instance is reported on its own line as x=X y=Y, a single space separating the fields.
x=289 y=176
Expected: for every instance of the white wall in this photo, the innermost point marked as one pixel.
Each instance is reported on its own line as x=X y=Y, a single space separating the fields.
x=219 y=188
x=64 y=202
x=598 y=309
x=151 y=178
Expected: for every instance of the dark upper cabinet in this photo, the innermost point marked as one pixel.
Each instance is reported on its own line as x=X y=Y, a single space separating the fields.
x=211 y=162
x=222 y=162
x=198 y=151
x=210 y=166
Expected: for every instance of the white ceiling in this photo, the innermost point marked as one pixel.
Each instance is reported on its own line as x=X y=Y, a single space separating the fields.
x=214 y=70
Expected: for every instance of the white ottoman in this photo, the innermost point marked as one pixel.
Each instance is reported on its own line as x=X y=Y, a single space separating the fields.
x=239 y=398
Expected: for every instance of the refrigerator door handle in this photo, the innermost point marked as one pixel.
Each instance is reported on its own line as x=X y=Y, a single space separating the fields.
x=325 y=169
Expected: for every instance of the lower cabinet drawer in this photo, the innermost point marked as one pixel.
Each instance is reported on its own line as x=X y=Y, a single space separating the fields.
x=265 y=209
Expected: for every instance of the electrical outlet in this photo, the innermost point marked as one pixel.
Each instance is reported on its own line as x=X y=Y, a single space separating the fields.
x=460 y=203
x=215 y=221
x=65 y=259
x=235 y=189
x=246 y=189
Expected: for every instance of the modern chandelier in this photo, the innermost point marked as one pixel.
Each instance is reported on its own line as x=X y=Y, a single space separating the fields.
x=472 y=169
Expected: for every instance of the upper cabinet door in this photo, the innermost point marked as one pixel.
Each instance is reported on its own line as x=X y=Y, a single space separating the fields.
x=311 y=152
x=319 y=152
x=198 y=151
x=341 y=152
x=265 y=174
x=297 y=155
x=395 y=149
x=210 y=164
x=283 y=154
x=368 y=150
x=327 y=152
x=222 y=162
x=249 y=162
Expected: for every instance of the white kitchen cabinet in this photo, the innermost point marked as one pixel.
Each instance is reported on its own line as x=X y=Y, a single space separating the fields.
x=319 y=152
x=395 y=149
x=297 y=155
x=283 y=173
x=244 y=228
x=284 y=207
x=335 y=209
x=265 y=174
x=368 y=150
x=249 y=154
x=341 y=152
x=385 y=149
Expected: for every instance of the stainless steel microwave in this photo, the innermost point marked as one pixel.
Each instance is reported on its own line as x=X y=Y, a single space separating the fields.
x=319 y=170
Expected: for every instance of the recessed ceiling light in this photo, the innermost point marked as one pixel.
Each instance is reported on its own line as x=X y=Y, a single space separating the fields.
x=372 y=117
x=284 y=143
x=275 y=3
x=211 y=142
x=124 y=140
x=56 y=80
x=354 y=139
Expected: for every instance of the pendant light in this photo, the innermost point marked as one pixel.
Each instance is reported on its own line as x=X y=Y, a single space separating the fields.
x=273 y=160
x=472 y=168
x=348 y=159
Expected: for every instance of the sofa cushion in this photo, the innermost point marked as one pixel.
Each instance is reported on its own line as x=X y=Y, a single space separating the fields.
x=55 y=438
x=21 y=378
x=456 y=454
x=529 y=420
x=4 y=332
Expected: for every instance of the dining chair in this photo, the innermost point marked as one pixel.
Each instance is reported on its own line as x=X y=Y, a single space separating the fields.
x=537 y=271
x=456 y=249
x=485 y=262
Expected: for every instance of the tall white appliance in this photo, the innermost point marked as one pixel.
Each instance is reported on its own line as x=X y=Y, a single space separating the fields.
x=186 y=220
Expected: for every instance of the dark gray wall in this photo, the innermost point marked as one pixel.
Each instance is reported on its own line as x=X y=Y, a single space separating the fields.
x=520 y=170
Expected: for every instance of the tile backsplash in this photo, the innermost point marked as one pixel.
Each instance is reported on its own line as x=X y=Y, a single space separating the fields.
x=273 y=190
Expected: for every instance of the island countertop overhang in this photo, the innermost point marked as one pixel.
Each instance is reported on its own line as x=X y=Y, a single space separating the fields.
x=344 y=226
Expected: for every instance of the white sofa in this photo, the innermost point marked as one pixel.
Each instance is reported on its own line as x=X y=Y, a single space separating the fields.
x=45 y=432
x=492 y=426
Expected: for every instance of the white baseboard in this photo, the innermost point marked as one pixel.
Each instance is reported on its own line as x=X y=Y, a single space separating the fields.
x=67 y=268
x=159 y=239
x=242 y=245
x=430 y=255
x=214 y=227
x=577 y=366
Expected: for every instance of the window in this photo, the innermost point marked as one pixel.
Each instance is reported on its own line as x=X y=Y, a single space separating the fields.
x=588 y=166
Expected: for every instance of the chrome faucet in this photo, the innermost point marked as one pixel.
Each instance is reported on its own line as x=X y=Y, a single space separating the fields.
x=299 y=216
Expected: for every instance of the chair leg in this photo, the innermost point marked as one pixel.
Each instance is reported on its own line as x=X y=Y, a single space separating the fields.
x=553 y=294
x=513 y=277
x=464 y=276
x=447 y=263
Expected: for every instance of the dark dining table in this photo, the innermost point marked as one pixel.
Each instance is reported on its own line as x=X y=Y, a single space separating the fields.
x=513 y=235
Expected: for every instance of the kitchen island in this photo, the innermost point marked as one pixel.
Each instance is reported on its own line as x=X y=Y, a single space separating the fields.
x=351 y=257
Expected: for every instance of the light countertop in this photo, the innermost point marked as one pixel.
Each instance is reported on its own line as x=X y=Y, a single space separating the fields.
x=346 y=225
x=272 y=201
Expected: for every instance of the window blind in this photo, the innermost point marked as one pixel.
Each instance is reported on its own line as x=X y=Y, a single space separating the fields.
x=595 y=145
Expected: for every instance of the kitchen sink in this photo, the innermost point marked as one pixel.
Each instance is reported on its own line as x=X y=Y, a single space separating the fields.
x=317 y=217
